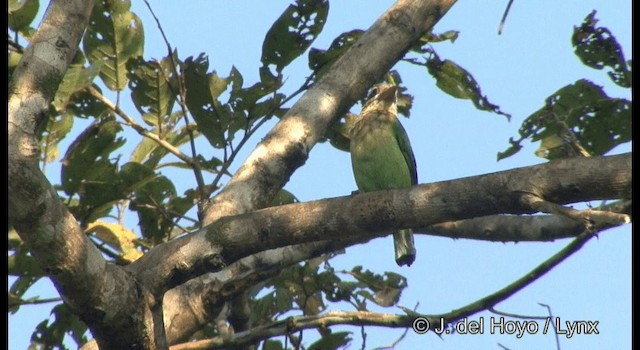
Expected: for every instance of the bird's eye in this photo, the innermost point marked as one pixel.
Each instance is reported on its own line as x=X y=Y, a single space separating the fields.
x=373 y=92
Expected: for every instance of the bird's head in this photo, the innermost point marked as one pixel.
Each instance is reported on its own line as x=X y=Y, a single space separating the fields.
x=383 y=100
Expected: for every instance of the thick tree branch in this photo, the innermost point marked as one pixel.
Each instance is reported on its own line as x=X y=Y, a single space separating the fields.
x=378 y=213
x=56 y=241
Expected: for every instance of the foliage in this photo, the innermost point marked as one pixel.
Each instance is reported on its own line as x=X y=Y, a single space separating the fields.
x=98 y=186
x=580 y=119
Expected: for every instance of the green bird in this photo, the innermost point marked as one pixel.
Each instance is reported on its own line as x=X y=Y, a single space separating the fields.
x=382 y=158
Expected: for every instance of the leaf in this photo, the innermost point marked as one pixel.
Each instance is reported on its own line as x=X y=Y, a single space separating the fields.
x=387 y=288
x=598 y=48
x=152 y=85
x=49 y=334
x=203 y=90
x=284 y=197
x=336 y=340
x=271 y=344
x=150 y=202
x=116 y=236
x=422 y=46
x=22 y=13
x=321 y=60
x=57 y=128
x=114 y=35
x=89 y=154
x=457 y=82
x=578 y=119
x=293 y=32
x=76 y=78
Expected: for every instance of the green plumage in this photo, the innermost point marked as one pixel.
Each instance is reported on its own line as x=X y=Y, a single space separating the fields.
x=382 y=158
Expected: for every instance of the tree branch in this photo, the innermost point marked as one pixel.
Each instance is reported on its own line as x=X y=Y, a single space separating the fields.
x=366 y=318
x=524 y=228
x=102 y=295
x=378 y=213
x=287 y=145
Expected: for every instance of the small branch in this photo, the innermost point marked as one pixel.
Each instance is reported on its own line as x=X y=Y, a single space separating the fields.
x=553 y=324
x=504 y=17
x=518 y=228
x=182 y=102
x=138 y=128
x=589 y=217
x=33 y=302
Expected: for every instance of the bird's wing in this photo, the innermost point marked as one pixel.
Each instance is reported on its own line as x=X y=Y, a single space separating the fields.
x=405 y=146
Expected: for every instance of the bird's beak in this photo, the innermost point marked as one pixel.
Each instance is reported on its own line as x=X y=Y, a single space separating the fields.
x=388 y=94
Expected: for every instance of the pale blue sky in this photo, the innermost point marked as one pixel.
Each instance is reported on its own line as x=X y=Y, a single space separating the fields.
x=451 y=139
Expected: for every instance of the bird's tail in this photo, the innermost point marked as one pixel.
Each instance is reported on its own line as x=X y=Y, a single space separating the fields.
x=404 y=247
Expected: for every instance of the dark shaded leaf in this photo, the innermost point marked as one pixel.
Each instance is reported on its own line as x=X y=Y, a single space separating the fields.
x=151 y=202
x=152 y=85
x=22 y=13
x=332 y=341
x=57 y=128
x=422 y=46
x=578 y=119
x=114 y=35
x=284 y=197
x=457 y=82
x=76 y=78
x=50 y=334
x=321 y=60
x=203 y=90
x=598 y=48
x=271 y=344
x=293 y=32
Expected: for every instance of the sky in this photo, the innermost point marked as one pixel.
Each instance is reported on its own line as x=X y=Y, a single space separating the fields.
x=451 y=139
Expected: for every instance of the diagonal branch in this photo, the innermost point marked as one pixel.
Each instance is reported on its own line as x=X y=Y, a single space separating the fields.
x=287 y=145
x=138 y=128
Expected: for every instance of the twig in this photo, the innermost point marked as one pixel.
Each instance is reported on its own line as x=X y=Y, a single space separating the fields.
x=590 y=217
x=33 y=302
x=195 y=164
x=553 y=324
x=504 y=17
x=138 y=128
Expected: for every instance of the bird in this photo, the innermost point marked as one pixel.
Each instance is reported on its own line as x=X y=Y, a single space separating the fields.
x=382 y=158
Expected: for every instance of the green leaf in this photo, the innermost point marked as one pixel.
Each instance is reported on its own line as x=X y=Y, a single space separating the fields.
x=203 y=90
x=76 y=78
x=22 y=13
x=89 y=154
x=49 y=334
x=88 y=171
x=114 y=35
x=422 y=46
x=457 y=82
x=578 y=119
x=271 y=344
x=149 y=200
x=321 y=60
x=337 y=340
x=152 y=85
x=598 y=48
x=57 y=128
x=284 y=197
x=293 y=32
